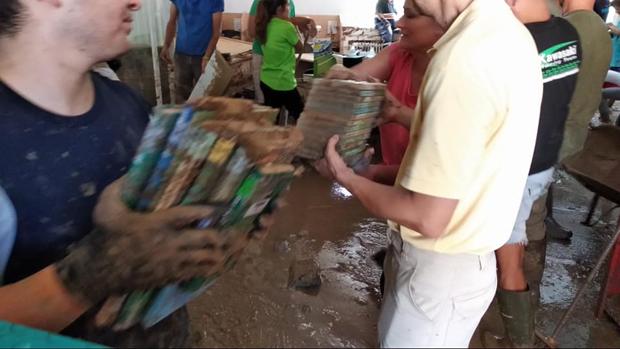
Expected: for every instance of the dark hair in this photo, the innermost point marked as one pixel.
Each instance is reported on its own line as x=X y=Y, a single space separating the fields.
x=11 y=17
x=267 y=9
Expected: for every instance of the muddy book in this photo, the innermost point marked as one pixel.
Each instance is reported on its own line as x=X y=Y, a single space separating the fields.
x=340 y=107
x=224 y=157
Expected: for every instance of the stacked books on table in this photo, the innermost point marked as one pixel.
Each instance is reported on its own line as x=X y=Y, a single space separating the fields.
x=323 y=57
x=343 y=107
x=220 y=152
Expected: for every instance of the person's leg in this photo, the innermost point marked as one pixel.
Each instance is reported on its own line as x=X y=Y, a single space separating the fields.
x=272 y=97
x=515 y=296
x=604 y=110
x=512 y=294
x=257 y=62
x=510 y=267
x=536 y=249
x=183 y=76
x=610 y=95
x=554 y=229
x=293 y=103
x=196 y=64
x=384 y=30
x=432 y=299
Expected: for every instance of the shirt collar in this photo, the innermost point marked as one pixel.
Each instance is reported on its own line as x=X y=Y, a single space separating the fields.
x=460 y=23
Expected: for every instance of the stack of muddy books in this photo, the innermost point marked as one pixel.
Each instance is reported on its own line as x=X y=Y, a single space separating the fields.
x=225 y=153
x=340 y=107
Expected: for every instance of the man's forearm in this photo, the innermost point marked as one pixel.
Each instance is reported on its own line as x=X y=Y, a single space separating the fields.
x=212 y=46
x=388 y=202
x=40 y=301
x=171 y=32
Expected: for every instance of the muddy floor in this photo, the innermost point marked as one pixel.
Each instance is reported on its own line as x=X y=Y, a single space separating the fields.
x=253 y=306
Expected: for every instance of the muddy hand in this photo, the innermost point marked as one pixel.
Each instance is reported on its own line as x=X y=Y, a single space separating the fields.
x=141 y=251
x=112 y=216
x=165 y=55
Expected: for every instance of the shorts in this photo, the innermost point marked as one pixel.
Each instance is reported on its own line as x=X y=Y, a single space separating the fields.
x=535 y=187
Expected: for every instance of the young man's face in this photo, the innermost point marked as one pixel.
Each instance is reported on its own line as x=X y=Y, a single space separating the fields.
x=98 y=28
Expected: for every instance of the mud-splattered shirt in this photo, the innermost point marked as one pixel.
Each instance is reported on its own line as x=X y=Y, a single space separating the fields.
x=54 y=167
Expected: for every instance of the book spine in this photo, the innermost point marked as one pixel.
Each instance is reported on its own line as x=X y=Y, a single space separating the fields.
x=172 y=297
x=152 y=144
x=187 y=170
x=202 y=186
x=257 y=193
x=158 y=177
x=179 y=142
x=236 y=170
x=132 y=310
x=109 y=312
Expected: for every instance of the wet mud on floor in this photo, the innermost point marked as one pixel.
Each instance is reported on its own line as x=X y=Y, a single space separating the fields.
x=253 y=306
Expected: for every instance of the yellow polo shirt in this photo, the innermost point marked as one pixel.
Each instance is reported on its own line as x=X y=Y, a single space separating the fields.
x=474 y=128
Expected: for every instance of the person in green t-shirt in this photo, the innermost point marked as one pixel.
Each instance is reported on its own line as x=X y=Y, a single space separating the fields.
x=305 y=24
x=279 y=42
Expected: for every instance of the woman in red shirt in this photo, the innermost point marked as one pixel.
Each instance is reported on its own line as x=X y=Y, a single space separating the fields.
x=402 y=65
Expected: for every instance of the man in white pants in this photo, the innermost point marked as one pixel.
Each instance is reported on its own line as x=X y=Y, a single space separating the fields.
x=459 y=187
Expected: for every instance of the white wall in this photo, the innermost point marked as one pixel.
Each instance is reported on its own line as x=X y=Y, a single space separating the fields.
x=352 y=12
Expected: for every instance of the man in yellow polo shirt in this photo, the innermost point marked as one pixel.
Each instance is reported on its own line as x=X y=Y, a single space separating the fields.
x=459 y=187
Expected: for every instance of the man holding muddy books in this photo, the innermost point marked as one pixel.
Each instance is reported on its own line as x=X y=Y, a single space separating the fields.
x=66 y=134
x=458 y=189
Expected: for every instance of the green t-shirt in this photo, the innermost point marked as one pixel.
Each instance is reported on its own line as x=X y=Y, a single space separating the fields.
x=256 y=46
x=278 y=69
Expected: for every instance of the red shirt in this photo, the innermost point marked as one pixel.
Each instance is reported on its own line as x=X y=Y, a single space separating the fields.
x=394 y=137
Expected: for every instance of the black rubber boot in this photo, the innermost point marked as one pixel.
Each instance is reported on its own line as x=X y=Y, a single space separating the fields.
x=518 y=314
x=557 y=232
x=554 y=230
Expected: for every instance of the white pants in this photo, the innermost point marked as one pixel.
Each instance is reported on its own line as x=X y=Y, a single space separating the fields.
x=535 y=187
x=257 y=62
x=433 y=299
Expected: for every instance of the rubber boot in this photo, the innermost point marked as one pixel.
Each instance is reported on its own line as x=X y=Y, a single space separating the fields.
x=518 y=314
x=557 y=232
x=554 y=230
